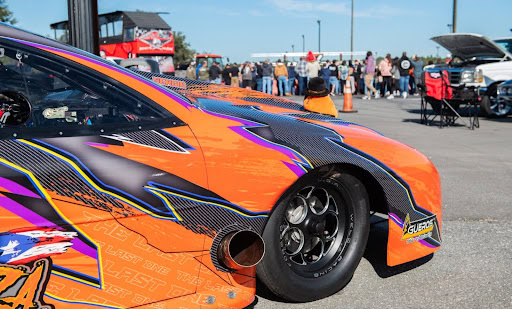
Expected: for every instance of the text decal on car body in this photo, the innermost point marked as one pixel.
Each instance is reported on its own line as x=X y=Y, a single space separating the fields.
x=170 y=82
x=418 y=230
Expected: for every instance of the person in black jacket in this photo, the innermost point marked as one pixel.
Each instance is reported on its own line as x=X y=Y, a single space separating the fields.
x=404 y=65
x=215 y=73
x=358 y=72
x=225 y=75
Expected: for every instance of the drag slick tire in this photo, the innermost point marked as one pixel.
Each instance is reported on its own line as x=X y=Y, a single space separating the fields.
x=315 y=237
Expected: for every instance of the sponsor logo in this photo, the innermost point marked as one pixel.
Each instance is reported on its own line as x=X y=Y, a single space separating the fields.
x=417 y=230
x=170 y=82
x=22 y=287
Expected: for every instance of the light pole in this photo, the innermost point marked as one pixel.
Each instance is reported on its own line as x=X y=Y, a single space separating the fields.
x=454 y=20
x=437 y=52
x=352 y=33
x=293 y=50
x=303 y=44
x=318 y=21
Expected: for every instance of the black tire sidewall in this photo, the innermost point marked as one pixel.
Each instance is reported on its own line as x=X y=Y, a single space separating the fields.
x=485 y=106
x=282 y=280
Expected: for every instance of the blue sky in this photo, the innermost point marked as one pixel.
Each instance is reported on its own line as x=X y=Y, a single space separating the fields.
x=235 y=29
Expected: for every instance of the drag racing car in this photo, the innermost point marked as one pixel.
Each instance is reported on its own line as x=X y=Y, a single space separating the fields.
x=121 y=189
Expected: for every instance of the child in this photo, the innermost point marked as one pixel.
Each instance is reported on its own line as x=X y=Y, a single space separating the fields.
x=317 y=98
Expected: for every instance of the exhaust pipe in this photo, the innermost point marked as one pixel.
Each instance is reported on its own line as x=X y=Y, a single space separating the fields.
x=241 y=249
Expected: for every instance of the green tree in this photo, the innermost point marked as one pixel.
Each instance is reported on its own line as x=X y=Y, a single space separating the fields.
x=6 y=16
x=183 y=53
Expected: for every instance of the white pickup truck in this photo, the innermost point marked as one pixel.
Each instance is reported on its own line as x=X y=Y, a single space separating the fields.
x=479 y=64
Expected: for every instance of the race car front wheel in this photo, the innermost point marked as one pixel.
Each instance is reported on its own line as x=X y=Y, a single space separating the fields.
x=315 y=237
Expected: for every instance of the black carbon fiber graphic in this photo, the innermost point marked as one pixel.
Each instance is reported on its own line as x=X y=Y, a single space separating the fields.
x=206 y=218
x=151 y=138
x=55 y=175
x=323 y=146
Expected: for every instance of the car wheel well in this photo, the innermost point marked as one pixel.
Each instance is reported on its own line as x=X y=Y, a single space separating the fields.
x=378 y=202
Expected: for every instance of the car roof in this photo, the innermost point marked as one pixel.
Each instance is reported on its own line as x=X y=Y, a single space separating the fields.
x=10 y=31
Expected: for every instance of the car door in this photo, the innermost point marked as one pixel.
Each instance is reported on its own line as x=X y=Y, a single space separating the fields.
x=88 y=170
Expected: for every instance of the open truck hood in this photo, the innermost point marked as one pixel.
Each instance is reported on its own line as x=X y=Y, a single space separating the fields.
x=468 y=45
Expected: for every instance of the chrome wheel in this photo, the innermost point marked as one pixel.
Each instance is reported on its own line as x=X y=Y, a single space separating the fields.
x=499 y=108
x=315 y=229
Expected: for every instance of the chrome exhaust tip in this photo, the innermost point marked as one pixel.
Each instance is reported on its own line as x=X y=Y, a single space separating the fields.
x=241 y=249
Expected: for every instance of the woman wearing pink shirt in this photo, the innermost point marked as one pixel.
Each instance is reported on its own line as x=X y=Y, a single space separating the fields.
x=385 y=66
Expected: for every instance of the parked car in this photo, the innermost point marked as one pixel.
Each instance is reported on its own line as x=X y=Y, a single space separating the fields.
x=505 y=93
x=478 y=66
x=121 y=189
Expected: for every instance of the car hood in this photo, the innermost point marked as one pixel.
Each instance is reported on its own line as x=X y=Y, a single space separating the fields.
x=468 y=45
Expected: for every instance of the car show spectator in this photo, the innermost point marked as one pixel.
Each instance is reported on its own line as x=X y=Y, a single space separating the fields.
x=418 y=70
x=343 y=70
x=312 y=67
x=302 y=75
x=226 y=75
x=247 y=70
x=333 y=78
x=291 y=78
x=404 y=65
x=233 y=73
x=203 y=72
x=357 y=76
x=267 y=71
x=215 y=73
x=325 y=73
x=395 y=72
x=369 y=76
x=191 y=71
x=259 y=76
x=385 y=66
x=281 y=74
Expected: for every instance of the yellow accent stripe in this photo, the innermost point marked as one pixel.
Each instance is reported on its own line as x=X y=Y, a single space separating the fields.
x=204 y=202
x=80 y=301
x=58 y=273
x=91 y=182
x=167 y=203
x=49 y=199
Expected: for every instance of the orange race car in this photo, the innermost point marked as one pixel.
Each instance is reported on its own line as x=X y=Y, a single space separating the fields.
x=121 y=189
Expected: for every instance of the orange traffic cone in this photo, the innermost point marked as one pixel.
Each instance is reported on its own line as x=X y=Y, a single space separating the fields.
x=347 y=101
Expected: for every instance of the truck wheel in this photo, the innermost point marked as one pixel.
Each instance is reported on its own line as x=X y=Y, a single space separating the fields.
x=490 y=107
x=315 y=238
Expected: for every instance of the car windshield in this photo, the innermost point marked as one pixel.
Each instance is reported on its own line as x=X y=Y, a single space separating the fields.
x=506 y=44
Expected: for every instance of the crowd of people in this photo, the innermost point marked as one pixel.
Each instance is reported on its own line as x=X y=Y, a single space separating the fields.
x=389 y=77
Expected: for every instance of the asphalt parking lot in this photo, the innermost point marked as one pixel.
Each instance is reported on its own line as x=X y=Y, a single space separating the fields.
x=473 y=268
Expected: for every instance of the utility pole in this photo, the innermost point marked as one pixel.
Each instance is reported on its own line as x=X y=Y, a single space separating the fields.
x=352 y=33
x=83 y=25
x=318 y=21
x=454 y=20
x=303 y=44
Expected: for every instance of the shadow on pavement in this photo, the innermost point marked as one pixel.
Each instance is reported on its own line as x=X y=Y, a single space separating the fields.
x=435 y=123
x=376 y=252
